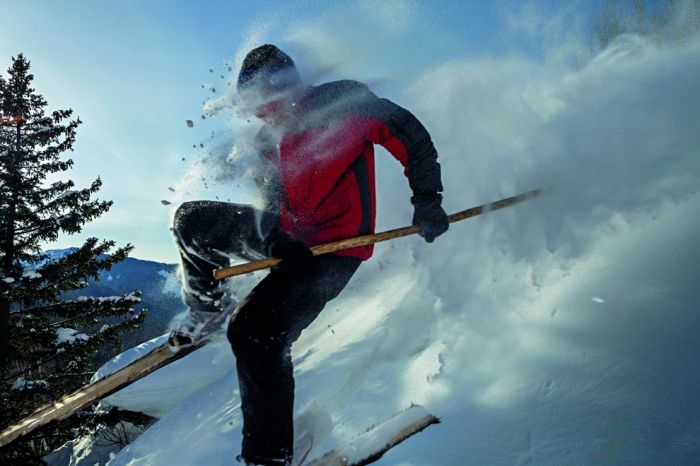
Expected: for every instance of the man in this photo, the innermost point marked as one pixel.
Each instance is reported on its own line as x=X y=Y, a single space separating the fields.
x=318 y=180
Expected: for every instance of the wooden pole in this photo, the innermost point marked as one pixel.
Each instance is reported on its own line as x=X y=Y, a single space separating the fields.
x=88 y=394
x=69 y=404
x=220 y=274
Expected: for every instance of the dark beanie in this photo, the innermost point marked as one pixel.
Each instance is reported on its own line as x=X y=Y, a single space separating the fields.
x=268 y=67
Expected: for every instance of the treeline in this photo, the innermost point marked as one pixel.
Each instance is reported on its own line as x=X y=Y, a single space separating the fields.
x=49 y=344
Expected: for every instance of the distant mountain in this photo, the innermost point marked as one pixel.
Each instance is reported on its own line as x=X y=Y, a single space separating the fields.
x=157 y=282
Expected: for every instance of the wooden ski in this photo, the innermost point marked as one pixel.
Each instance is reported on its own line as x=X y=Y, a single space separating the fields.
x=69 y=404
x=372 y=444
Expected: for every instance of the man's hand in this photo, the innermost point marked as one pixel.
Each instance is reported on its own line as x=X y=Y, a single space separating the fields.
x=295 y=255
x=429 y=216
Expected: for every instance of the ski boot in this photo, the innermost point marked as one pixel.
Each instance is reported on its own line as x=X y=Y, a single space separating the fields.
x=190 y=329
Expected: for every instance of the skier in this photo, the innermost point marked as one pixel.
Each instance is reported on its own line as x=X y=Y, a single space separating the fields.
x=316 y=148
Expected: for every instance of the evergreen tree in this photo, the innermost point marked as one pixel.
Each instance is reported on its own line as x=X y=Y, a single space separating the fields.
x=48 y=345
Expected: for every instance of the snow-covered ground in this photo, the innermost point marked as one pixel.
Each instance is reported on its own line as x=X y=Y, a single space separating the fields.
x=563 y=331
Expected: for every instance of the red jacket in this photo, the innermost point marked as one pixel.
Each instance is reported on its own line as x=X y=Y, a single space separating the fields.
x=321 y=173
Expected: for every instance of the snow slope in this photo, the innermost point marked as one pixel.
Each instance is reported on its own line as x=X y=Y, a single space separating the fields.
x=559 y=332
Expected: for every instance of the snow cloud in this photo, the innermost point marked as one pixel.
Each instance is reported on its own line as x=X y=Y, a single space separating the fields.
x=614 y=137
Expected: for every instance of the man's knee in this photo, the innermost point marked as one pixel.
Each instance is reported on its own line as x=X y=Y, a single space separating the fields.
x=246 y=329
x=236 y=329
x=185 y=217
x=196 y=226
x=241 y=330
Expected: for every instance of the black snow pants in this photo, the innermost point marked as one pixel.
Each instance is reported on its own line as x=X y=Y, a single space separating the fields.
x=266 y=323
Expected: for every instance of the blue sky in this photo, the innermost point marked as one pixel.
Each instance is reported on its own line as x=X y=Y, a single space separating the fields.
x=134 y=71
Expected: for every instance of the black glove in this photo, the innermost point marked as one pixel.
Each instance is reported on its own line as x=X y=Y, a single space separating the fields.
x=429 y=215
x=295 y=255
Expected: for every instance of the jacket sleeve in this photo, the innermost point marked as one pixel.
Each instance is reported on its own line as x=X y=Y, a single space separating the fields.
x=397 y=130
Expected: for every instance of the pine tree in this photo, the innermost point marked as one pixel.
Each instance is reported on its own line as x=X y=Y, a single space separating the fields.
x=48 y=345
